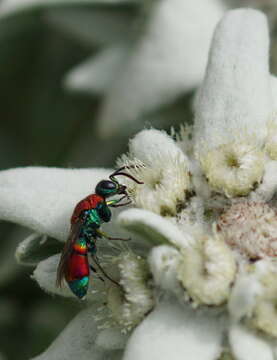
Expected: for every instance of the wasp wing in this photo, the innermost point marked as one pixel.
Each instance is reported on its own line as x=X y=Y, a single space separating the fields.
x=62 y=269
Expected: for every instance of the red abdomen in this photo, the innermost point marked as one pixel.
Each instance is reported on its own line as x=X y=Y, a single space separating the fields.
x=90 y=202
x=78 y=267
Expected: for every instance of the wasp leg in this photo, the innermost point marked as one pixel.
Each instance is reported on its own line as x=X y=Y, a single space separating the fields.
x=103 y=234
x=103 y=271
x=94 y=270
x=113 y=202
x=124 y=204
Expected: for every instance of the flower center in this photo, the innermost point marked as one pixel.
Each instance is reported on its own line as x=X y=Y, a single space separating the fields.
x=251 y=228
x=232 y=161
x=233 y=168
x=155 y=182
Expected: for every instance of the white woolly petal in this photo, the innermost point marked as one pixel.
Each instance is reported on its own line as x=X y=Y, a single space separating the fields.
x=271 y=140
x=95 y=75
x=163 y=261
x=243 y=295
x=46 y=274
x=264 y=315
x=147 y=145
x=77 y=341
x=153 y=227
x=268 y=187
x=111 y=339
x=246 y=344
x=11 y=7
x=274 y=345
x=43 y=199
x=27 y=244
x=235 y=98
x=176 y=333
x=168 y=60
x=34 y=248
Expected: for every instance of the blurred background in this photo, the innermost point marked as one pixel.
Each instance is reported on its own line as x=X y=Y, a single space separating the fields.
x=78 y=78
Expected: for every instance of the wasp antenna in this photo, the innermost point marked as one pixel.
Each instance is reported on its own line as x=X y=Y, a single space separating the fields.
x=120 y=172
x=126 y=167
x=127 y=175
x=116 y=171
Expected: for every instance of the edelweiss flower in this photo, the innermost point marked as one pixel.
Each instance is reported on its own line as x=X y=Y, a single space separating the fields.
x=199 y=283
